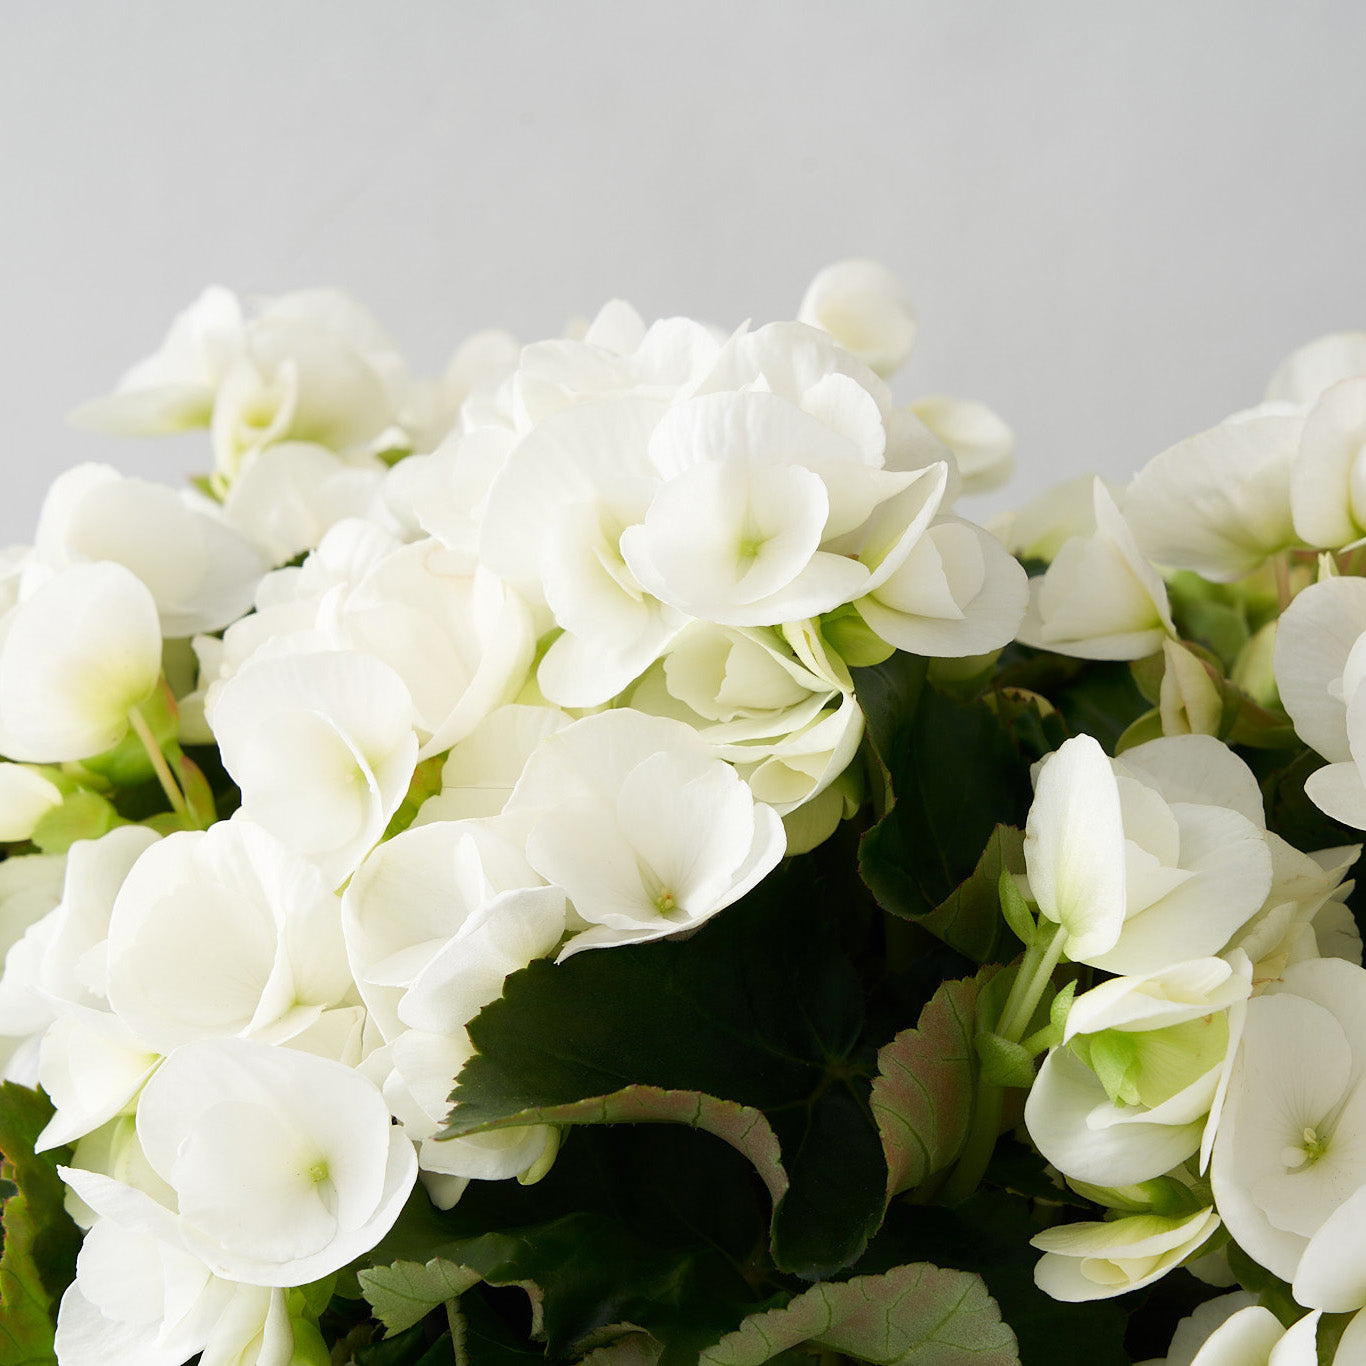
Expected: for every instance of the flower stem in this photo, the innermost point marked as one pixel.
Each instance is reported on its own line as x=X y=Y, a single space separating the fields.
x=159 y=765
x=1030 y=982
x=985 y=1128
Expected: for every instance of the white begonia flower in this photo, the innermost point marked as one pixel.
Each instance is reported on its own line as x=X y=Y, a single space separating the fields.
x=444 y=493
x=481 y=770
x=617 y=354
x=864 y=308
x=735 y=532
x=284 y=1166
x=1039 y=529
x=417 y=1089
x=1219 y=502
x=1328 y=485
x=86 y=1059
x=1074 y=847
x=958 y=592
x=75 y=657
x=323 y=749
x=200 y=571
x=437 y=917
x=173 y=389
x=1290 y=1153
x=225 y=932
x=30 y=886
x=1352 y=1344
x=313 y=367
x=1195 y=1329
x=140 y=1299
x=775 y=703
x=435 y=921
x=1100 y=598
x=26 y=796
x=1306 y=373
x=1197 y=862
x=1095 y=1261
x=645 y=831
x=285 y=503
x=764 y=497
x=1136 y=1088
x=1190 y=700
x=1320 y=664
x=1252 y=1336
x=552 y=527
x=981 y=442
x=461 y=642
x=289 y=603
x=1303 y=915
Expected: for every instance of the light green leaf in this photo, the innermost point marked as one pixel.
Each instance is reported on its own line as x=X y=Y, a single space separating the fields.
x=915 y=1315
x=1062 y=1004
x=1005 y=1062
x=84 y=815
x=1015 y=908
x=404 y=1293
x=922 y=1094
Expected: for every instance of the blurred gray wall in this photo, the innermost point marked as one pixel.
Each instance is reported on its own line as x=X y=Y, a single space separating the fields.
x=1114 y=219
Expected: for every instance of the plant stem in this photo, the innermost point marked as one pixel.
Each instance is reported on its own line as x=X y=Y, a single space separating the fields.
x=159 y=765
x=983 y=1132
x=1030 y=981
x=985 y=1128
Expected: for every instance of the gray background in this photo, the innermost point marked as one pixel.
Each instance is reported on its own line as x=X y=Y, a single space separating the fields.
x=1114 y=219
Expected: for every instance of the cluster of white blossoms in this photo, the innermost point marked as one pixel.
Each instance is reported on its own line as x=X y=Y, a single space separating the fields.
x=550 y=655
x=1210 y=1085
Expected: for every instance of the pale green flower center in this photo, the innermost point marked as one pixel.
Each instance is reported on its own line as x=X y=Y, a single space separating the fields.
x=1308 y=1151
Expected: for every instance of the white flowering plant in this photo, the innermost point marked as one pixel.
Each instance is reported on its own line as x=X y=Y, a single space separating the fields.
x=591 y=858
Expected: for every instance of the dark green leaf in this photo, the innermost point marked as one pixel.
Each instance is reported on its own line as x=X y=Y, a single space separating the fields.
x=989 y=1233
x=403 y=1349
x=971 y=918
x=38 y=1260
x=956 y=774
x=655 y=1225
x=760 y=1009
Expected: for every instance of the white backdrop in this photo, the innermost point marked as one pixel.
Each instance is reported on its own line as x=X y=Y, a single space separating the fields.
x=1114 y=219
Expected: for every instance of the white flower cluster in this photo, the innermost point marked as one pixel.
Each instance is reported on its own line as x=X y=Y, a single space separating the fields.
x=1215 y=1077
x=547 y=656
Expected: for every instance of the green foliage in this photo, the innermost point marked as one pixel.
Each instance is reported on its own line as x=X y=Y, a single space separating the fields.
x=83 y=815
x=38 y=1260
x=922 y=1094
x=761 y=1009
x=1004 y=1062
x=916 y=1315
x=403 y=1293
x=989 y=1234
x=956 y=774
x=660 y=1227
